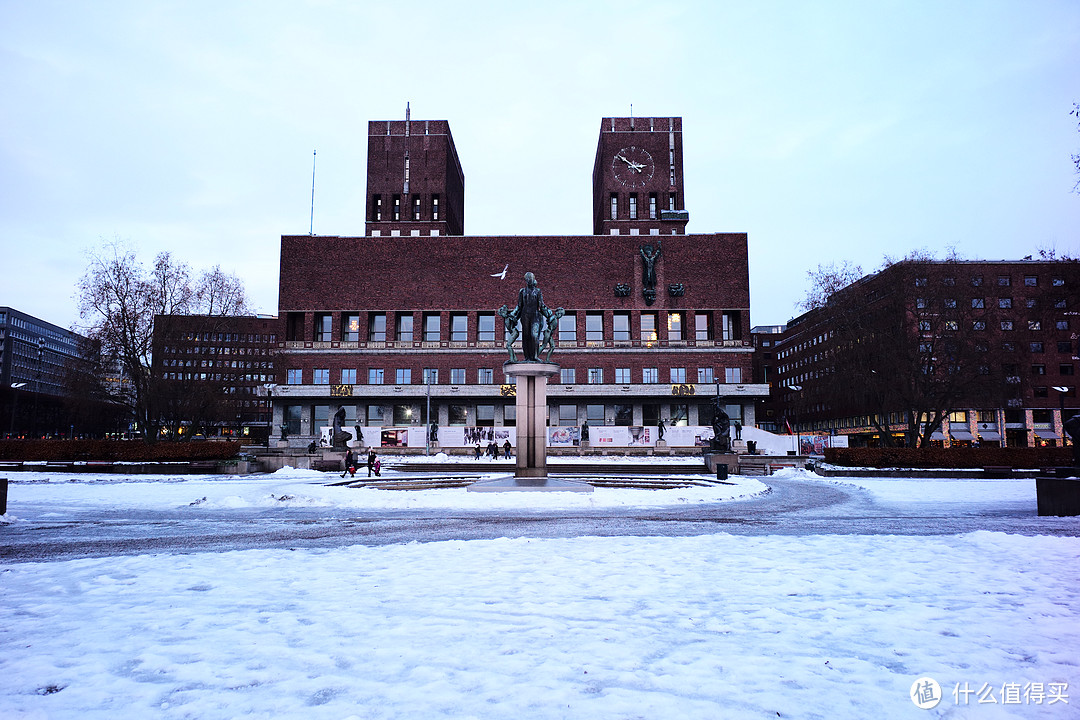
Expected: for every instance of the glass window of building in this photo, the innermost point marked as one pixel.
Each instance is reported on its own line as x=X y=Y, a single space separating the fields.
x=403 y=376
x=403 y=414
x=375 y=376
x=431 y=375
x=705 y=375
x=567 y=415
x=622 y=376
x=485 y=327
x=459 y=328
x=457 y=376
x=633 y=206
x=404 y=328
x=348 y=376
x=621 y=327
x=650 y=375
x=676 y=322
x=431 y=327
x=568 y=327
x=732 y=321
x=294 y=376
x=596 y=376
x=624 y=415
x=374 y=414
x=321 y=376
x=291 y=416
x=594 y=327
x=320 y=417
x=350 y=327
x=323 y=324
x=650 y=414
x=594 y=414
x=680 y=415
x=485 y=415
x=733 y=375
x=377 y=327
x=648 y=328
x=678 y=375
x=485 y=376
x=457 y=414
x=702 y=325
x=509 y=415
x=566 y=376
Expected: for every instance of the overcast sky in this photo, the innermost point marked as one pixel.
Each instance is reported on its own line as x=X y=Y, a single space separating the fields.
x=827 y=131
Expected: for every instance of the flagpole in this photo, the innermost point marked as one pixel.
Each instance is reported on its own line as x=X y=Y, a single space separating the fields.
x=311 y=226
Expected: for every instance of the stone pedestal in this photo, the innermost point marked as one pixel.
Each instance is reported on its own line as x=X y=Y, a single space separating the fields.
x=1059 y=495
x=712 y=460
x=531 y=416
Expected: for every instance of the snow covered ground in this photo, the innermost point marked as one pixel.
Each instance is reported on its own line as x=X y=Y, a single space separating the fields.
x=713 y=626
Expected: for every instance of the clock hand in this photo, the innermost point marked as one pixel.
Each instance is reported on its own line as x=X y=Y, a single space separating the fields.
x=620 y=157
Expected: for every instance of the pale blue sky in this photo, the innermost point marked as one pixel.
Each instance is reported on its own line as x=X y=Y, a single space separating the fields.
x=827 y=131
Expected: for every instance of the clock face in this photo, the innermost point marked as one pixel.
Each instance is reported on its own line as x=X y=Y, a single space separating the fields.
x=633 y=166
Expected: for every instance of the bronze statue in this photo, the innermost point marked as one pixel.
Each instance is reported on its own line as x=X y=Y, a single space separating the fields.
x=721 y=426
x=433 y=431
x=551 y=322
x=648 y=271
x=338 y=437
x=510 y=324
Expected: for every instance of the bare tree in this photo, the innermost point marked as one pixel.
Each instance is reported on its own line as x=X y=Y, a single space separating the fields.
x=218 y=293
x=826 y=280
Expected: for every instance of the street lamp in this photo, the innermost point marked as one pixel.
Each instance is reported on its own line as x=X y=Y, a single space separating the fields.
x=14 y=403
x=798 y=446
x=270 y=401
x=1061 y=395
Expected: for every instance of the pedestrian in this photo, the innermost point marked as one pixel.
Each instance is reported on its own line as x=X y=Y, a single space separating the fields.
x=371 y=460
x=350 y=463
x=477 y=450
x=494 y=450
x=506 y=449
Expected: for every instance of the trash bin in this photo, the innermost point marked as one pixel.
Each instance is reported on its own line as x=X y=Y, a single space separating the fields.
x=721 y=471
x=751 y=447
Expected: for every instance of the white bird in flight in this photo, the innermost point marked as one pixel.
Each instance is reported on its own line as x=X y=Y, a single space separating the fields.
x=501 y=275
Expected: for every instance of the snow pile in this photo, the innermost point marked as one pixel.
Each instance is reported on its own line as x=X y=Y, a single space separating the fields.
x=713 y=626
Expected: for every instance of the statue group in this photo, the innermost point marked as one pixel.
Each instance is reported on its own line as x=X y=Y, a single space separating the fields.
x=531 y=320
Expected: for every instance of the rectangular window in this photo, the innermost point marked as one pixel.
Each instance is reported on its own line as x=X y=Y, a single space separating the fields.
x=375 y=376
x=1061 y=324
x=434 y=207
x=348 y=376
x=323 y=324
x=648 y=328
x=485 y=327
x=621 y=327
x=1065 y=369
x=374 y=414
x=377 y=327
x=431 y=327
x=1064 y=346
x=1036 y=346
x=458 y=414
x=457 y=376
x=596 y=376
x=703 y=325
x=350 y=327
x=485 y=376
x=976 y=281
x=294 y=376
x=292 y=416
x=1038 y=369
x=403 y=376
x=404 y=328
x=633 y=206
x=567 y=415
x=416 y=207
x=978 y=325
x=1031 y=281
x=978 y=303
x=485 y=415
x=594 y=414
x=321 y=376
x=397 y=208
x=650 y=375
x=652 y=206
x=732 y=320
x=566 y=376
x=624 y=415
x=509 y=415
x=1006 y=325
x=568 y=327
x=676 y=322
x=733 y=375
x=614 y=206
x=1057 y=281
x=672 y=202
x=594 y=327
x=1005 y=303
x=705 y=375
x=622 y=376
x=377 y=207
x=459 y=328
x=678 y=375
x=431 y=376
x=1034 y=325
x=1004 y=281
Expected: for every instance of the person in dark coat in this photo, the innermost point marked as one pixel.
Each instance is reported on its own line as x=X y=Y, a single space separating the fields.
x=350 y=463
x=371 y=460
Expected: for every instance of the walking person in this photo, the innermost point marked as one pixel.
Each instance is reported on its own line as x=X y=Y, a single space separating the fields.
x=372 y=461
x=350 y=463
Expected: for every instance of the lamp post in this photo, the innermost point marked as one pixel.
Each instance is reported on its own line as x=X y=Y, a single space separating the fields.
x=14 y=403
x=270 y=401
x=798 y=445
x=1061 y=397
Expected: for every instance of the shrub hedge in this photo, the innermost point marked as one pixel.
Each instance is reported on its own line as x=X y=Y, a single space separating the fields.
x=1020 y=458
x=116 y=450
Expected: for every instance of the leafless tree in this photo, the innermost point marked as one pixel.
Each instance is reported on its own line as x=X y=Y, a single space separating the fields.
x=825 y=280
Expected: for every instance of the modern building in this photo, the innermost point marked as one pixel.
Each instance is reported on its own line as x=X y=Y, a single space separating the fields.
x=656 y=321
x=996 y=340
x=35 y=359
x=214 y=371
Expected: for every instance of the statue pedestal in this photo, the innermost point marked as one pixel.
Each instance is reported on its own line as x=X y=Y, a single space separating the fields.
x=531 y=416
x=713 y=459
x=661 y=447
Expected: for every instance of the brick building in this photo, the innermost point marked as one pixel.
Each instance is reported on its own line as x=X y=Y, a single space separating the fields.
x=1007 y=329
x=656 y=323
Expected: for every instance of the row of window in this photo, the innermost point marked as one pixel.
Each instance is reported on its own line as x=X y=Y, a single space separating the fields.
x=1006 y=325
x=632 y=206
x=212 y=350
x=622 y=326
x=416 y=206
x=227 y=337
x=486 y=376
x=1002 y=281
x=1003 y=303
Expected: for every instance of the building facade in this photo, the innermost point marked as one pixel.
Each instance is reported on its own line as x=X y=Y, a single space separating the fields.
x=404 y=317
x=999 y=340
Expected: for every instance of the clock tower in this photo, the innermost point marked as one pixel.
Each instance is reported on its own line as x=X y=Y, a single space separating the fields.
x=638 y=177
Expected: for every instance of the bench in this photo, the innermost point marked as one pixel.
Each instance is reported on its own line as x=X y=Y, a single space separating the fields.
x=997 y=471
